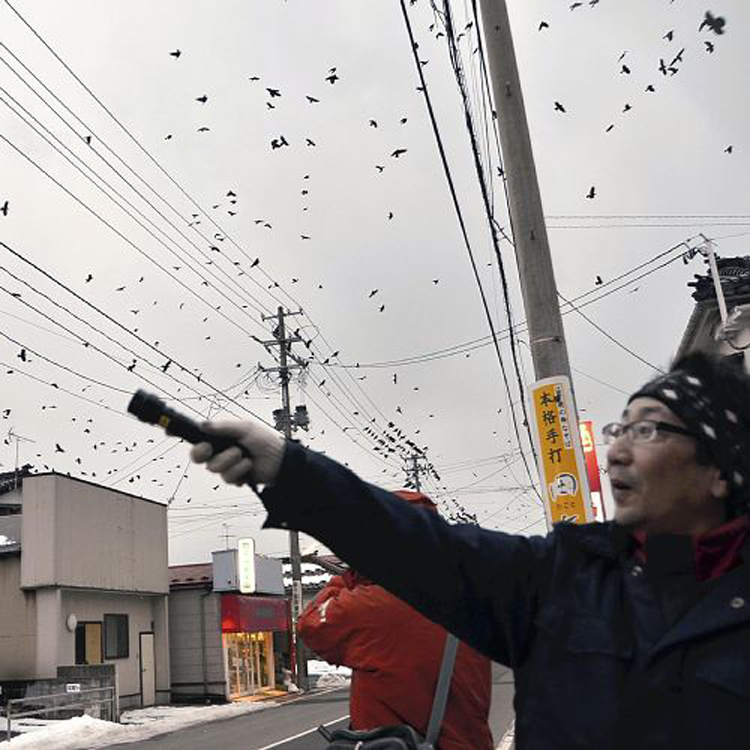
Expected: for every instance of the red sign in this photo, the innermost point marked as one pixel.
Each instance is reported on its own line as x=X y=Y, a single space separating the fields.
x=252 y=614
x=589 y=453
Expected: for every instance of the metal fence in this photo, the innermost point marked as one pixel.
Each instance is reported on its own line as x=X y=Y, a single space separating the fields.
x=73 y=701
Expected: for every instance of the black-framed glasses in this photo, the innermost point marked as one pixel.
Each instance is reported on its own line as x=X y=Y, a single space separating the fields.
x=642 y=431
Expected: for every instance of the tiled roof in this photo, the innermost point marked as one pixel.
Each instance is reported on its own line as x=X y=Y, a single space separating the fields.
x=8 y=478
x=734 y=274
x=191 y=575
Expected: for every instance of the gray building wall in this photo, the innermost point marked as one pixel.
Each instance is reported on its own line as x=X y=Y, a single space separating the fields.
x=89 y=551
x=189 y=675
x=82 y=535
x=144 y=615
x=17 y=622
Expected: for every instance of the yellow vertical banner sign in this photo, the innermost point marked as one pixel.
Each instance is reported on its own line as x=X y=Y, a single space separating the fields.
x=562 y=467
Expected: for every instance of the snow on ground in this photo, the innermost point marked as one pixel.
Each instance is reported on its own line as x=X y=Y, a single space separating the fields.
x=323 y=667
x=83 y=732
x=332 y=680
x=325 y=675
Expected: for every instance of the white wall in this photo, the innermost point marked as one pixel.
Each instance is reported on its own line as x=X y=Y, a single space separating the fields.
x=83 y=535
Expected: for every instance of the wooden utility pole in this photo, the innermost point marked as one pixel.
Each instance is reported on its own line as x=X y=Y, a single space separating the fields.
x=546 y=337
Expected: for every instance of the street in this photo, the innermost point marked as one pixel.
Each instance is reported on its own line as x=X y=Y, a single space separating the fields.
x=293 y=725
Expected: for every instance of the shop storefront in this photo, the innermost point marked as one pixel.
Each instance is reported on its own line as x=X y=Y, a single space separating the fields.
x=248 y=624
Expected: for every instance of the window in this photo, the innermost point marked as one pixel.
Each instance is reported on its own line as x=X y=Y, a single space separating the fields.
x=116 y=640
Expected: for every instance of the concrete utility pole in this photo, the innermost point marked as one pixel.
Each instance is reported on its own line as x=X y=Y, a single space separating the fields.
x=284 y=423
x=226 y=535
x=414 y=470
x=546 y=337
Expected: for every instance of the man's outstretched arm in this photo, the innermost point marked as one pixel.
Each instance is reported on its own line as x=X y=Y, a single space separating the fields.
x=480 y=585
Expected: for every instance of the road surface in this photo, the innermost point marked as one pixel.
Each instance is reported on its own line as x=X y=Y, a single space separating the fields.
x=292 y=726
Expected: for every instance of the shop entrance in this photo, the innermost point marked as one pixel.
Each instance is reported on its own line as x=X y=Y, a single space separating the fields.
x=250 y=662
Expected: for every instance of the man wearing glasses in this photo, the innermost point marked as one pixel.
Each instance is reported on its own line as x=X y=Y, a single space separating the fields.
x=629 y=634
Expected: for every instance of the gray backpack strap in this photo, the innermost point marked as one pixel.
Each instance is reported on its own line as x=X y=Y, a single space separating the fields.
x=441 y=691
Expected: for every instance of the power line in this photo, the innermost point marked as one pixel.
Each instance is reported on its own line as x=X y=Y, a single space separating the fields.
x=455 y=57
x=138 y=249
x=457 y=207
x=115 y=322
x=182 y=258
x=91 y=148
x=482 y=341
x=129 y=134
x=119 y=174
x=610 y=337
x=647 y=216
x=79 y=338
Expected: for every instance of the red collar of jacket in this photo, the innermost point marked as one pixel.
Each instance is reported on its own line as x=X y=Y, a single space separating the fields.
x=716 y=551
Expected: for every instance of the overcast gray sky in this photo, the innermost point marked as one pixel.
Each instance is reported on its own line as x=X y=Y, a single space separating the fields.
x=664 y=158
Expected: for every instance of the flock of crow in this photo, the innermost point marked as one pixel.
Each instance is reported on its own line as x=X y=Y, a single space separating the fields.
x=667 y=66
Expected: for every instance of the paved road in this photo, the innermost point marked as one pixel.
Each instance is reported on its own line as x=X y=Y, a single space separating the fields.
x=292 y=726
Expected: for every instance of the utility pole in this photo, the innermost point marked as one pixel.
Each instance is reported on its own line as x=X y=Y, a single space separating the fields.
x=413 y=471
x=285 y=422
x=546 y=336
x=226 y=535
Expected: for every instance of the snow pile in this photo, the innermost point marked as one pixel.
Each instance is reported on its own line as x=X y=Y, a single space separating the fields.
x=315 y=666
x=332 y=680
x=325 y=675
x=83 y=732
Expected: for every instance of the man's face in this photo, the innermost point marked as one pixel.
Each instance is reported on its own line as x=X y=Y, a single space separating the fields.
x=659 y=486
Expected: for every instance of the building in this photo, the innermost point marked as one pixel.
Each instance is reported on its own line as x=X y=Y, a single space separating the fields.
x=228 y=621
x=83 y=581
x=704 y=330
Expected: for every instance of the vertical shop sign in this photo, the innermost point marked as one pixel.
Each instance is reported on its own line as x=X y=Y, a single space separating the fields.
x=560 y=455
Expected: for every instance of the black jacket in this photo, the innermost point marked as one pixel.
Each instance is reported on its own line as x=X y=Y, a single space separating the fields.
x=606 y=653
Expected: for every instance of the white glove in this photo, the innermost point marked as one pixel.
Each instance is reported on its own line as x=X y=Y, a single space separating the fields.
x=265 y=446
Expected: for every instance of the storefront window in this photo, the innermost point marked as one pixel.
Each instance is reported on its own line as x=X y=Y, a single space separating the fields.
x=250 y=662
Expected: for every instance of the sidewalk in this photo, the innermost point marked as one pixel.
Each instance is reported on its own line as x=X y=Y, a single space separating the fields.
x=140 y=724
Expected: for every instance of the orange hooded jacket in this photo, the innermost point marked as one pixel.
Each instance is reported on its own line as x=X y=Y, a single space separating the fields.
x=395 y=655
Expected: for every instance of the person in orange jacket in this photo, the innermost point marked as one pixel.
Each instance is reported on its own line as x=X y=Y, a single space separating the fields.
x=395 y=655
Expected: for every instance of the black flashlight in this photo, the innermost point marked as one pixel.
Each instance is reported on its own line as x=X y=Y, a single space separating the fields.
x=151 y=409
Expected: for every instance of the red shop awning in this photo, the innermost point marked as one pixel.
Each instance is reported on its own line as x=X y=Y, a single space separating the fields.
x=252 y=614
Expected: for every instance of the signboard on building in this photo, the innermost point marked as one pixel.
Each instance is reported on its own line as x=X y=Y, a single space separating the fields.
x=562 y=468
x=240 y=569
x=253 y=614
x=592 y=469
x=246 y=565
